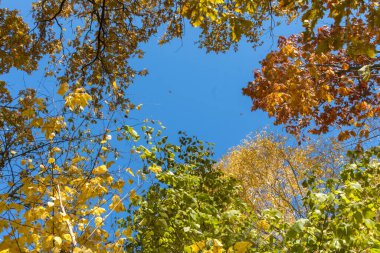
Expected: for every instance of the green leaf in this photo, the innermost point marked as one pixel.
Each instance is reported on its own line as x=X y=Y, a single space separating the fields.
x=370 y=224
x=299 y=225
x=162 y=223
x=320 y=197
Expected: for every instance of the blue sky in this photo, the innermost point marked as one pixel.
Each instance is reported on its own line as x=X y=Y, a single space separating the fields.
x=195 y=92
x=201 y=93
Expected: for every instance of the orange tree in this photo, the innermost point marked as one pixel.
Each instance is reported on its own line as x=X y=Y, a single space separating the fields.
x=325 y=77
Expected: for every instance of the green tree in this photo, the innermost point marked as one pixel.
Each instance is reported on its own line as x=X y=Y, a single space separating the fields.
x=343 y=217
x=191 y=205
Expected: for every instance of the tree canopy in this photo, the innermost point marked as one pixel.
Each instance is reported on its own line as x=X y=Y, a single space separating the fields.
x=198 y=209
x=191 y=202
x=326 y=77
x=271 y=170
x=72 y=163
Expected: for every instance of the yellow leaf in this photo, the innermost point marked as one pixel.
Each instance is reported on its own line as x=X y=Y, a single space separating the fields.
x=155 y=169
x=56 y=149
x=58 y=240
x=344 y=91
x=116 y=204
x=37 y=122
x=197 y=22
x=29 y=112
x=67 y=237
x=97 y=211
x=198 y=246
x=78 y=99
x=132 y=195
x=343 y=135
x=371 y=52
x=52 y=125
x=109 y=164
x=216 y=249
x=51 y=160
x=118 y=185
x=217 y=246
x=78 y=159
x=242 y=247
x=127 y=232
x=77 y=250
x=63 y=88
x=100 y=170
x=98 y=221
x=114 y=85
x=218 y=243
x=362 y=106
x=329 y=98
x=129 y=170
x=289 y=50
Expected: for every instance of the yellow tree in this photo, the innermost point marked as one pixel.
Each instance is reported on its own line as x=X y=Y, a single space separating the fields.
x=58 y=183
x=271 y=170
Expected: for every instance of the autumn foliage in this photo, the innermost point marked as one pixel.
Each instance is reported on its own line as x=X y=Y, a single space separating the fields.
x=271 y=171
x=327 y=78
x=77 y=176
x=307 y=89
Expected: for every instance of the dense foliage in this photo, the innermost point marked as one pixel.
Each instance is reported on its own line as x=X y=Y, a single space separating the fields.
x=271 y=170
x=193 y=207
x=71 y=162
x=325 y=78
x=346 y=218
x=191 y=202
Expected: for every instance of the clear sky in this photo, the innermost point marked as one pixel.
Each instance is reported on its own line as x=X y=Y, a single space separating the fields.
x=201 y=93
